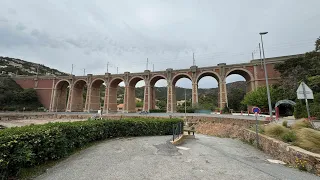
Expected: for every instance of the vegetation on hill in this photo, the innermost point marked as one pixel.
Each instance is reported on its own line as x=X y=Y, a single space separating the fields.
x=15 y=66
x=13 y=97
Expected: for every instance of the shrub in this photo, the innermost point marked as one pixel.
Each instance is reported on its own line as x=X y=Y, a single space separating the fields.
x=157 y=110
x=285 y=123
x=226 y=110
x=275 y=130
x=309 y=139
x=301 y=124
x=27 y=146
x=289 y=136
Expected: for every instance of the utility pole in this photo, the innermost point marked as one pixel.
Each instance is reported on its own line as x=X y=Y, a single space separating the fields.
x=147 y=64
x=71 y=69
x=266 y=76
x=84 y=71
x=37 y=69
x=252 y=56
x=117 y=70
x=194 y=61
x=152 y=67
x=185 y=103
x=107 y=67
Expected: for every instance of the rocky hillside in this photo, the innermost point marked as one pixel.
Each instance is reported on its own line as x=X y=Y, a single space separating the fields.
x=12 y=66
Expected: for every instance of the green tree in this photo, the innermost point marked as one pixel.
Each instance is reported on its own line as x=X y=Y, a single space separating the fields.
x=139 y=104
x=235 y=96
x=259 y=97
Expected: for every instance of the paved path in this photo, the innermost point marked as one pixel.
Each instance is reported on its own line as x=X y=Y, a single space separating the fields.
x=155 y=158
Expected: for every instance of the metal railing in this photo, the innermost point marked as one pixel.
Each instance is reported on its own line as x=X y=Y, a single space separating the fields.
x=177 y=130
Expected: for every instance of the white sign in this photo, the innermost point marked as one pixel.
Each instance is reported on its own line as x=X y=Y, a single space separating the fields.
x=303 y=87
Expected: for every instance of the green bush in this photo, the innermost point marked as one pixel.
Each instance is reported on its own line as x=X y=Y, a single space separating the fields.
x=285 y=123
x=27 y=146
x=157 y=110
x=289 y=136
x=226 y=110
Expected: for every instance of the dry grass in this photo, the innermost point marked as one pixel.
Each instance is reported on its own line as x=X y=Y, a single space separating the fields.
x=301 y=124
x=275 y=130
x=308 y=139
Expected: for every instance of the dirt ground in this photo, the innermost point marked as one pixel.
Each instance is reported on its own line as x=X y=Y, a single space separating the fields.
x=24 y=122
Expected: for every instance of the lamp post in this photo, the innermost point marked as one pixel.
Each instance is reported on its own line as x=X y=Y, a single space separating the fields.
x=266 y=75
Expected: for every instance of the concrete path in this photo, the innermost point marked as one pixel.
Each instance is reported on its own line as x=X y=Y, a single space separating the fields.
x=155 y=158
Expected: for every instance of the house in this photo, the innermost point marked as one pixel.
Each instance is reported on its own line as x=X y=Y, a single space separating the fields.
x=180 y=103
x=120 y=107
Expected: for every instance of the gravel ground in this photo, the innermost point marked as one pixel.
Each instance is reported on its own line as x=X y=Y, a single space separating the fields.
x=155 y=158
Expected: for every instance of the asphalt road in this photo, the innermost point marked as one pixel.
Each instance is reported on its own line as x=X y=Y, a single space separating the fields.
x=155 y=158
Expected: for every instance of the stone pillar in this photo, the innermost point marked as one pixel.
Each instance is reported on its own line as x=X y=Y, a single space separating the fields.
x=94 y=100
x=131 y=103
x=111 y=99
x=53 y=94
x=77 y=99
x=170 y=98
x=106 y=107
x=194 y=94
x=223 y=93
x=69 y=101
x=147 y=98
x=87 y=106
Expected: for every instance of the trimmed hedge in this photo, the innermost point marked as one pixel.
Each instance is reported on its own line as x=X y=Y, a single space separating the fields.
x=27 y=146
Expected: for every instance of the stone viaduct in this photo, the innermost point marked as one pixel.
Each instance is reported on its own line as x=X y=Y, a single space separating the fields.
x=52 y=90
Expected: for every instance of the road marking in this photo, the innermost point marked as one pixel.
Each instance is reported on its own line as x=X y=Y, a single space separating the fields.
x=276 y=161
x=183 y=148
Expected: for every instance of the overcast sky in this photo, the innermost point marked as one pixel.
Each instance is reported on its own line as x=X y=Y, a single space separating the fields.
x=91 y=33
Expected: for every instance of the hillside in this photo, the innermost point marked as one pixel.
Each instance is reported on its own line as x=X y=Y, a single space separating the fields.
x=12 y=66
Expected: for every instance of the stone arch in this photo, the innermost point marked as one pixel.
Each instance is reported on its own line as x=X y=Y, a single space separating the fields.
x=209 y=73
x=247 y=75
x=197 y=99
x=95 y=98
x=134 y=80
x=61 y=95
x=131 y=92
x=112 y=103
x=176 y=77
x=153 y=80
x=115 y=82
x=78 y=99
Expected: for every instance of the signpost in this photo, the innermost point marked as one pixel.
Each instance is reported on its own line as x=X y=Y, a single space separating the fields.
x=256 y=111
x=304 y=92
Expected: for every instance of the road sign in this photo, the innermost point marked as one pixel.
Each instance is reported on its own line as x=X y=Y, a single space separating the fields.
x=256 y=110
x=304 y=92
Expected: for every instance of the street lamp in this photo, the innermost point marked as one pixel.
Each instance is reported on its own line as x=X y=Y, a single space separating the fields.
x=266 y=75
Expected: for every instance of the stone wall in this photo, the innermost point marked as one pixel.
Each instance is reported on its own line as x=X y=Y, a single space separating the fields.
x=276 y=148
x=284 y=151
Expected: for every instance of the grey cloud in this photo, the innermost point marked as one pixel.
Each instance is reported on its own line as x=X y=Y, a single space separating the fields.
x=125 y=33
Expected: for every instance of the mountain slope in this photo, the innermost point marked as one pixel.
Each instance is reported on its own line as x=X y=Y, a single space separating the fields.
x=13 y=66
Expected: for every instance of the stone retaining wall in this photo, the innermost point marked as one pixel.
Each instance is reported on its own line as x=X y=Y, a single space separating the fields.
x=284 y=151
x=223 y=120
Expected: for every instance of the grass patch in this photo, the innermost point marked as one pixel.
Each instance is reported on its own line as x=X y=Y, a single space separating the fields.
x=301 y=124
x=275 y=130
x=309 y=139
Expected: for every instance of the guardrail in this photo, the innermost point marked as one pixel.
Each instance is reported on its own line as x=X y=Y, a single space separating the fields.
x=177 y=130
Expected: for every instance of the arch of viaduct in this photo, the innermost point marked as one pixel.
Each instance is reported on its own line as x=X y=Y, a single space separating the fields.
x=52 y=90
